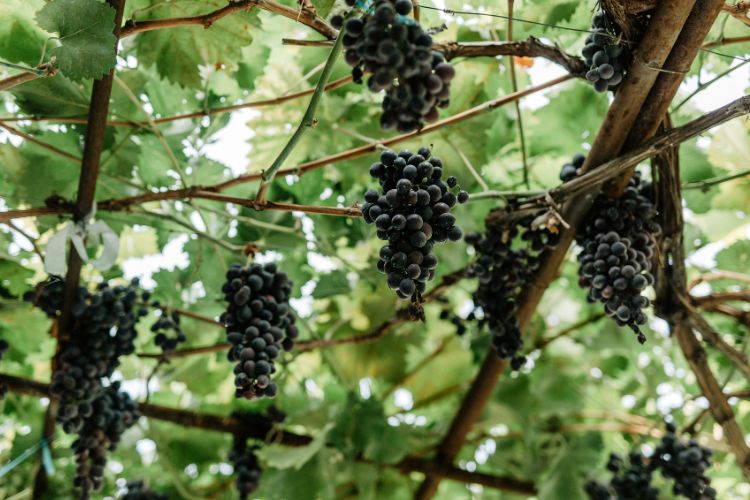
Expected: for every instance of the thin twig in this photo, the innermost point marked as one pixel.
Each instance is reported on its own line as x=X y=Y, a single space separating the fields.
x=308 y=121
x=43 y=71
x=28 y=237
x=719 y=275
x=514 y=86
x=704 y=185
x=192 y=115
x=307 y=18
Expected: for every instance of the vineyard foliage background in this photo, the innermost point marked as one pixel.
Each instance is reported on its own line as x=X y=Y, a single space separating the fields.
x=370 y=404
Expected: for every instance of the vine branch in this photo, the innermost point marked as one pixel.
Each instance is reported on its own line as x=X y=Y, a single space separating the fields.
x=308 y=120
x=259 y=428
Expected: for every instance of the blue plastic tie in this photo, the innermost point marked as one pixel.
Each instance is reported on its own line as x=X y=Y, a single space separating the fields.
x=49 y=467
x=46 y=458
x=20 y=458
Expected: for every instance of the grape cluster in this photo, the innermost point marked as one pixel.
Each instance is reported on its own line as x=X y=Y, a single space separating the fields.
x=508 y=257
x=628 y=483
x=604 y=54
x=617 y=240
x=685 y=464
x=682 y=463
x=111 y=414
x=412 y=213
x=398 y=54
x=259 y=325
x=3 y=348
x=246 y=466
x=168 y=322
x=138 y=490
x=102 y=329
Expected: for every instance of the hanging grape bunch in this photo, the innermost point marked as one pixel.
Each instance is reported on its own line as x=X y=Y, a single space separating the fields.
x=684 y=464
x=246 y=467
x=398 y=54
x=412 y=213
x=604 y=54
x=103 y=329
x=259 y=325
x=167 y=329
x=507 y=258
x=617 y=240
x=3 y=348
x=111 y=415
x=628 y=483
x=138 y=490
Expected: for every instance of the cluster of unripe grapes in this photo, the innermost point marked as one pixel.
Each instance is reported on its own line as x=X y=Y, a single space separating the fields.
x=3 y=348
x=617 y=239
x=412 y=212
x=138 y=490
x=604 y=54
x=259 y=325
x=507 y=258
x=113 y=412
x=102 y=329
x=682 y=463
x=398 y=54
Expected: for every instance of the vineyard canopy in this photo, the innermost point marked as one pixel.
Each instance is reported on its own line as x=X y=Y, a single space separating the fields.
x=209 y=133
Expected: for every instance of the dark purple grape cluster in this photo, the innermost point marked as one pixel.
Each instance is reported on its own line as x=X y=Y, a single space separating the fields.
x=139 y=490
x=259 y=325
x=103 y=329
x=412 y=213
x=398 y=54
x=507 y=258
x=246 y=467
x=684 y=464
x=168 y=332
x=3 y=348
x=112 y=413
x=617 y=240
x=604 y=54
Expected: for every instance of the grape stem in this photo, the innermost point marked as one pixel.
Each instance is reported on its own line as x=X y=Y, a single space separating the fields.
x=308 y=120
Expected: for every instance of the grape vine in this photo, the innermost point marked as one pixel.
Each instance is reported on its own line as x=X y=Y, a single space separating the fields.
x=412 y=213
x=398 y=54
x=259 y=325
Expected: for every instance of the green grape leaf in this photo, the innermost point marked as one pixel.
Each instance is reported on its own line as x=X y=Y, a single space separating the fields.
x=85 y=32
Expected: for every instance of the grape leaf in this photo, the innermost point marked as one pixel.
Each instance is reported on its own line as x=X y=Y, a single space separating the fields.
x=20 y=39
x=85 y=32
